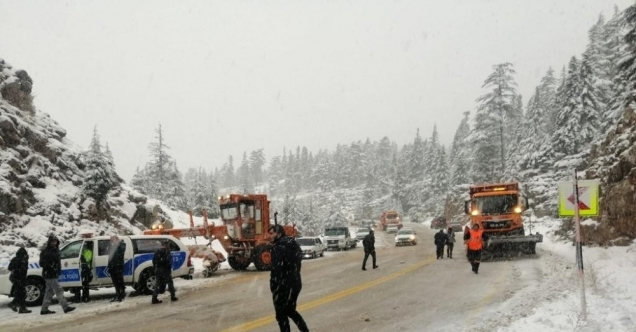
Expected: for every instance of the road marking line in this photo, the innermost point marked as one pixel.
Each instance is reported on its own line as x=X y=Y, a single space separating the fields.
x=330 y=298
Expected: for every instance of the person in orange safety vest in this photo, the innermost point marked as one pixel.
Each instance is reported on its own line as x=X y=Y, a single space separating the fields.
x=475 y=241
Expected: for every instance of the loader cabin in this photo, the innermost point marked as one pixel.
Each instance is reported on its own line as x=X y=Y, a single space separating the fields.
x=495 y=199
x=245 y=216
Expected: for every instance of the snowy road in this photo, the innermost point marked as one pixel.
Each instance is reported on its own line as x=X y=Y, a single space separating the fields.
x=411 y=291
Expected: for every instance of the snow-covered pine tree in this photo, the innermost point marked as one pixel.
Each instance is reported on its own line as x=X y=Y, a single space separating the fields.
x=175 y=194
x=99 y=176
x=460 y=153
x=627 y=64
x=256 y=163
x=243 y=176
x=615 y=50
x=492 y=129
x=564 y=139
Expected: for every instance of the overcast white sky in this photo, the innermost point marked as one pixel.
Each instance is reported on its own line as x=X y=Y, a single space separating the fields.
x=224 y=77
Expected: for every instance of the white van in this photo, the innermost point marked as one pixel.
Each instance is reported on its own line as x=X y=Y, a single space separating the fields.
x=138 y=269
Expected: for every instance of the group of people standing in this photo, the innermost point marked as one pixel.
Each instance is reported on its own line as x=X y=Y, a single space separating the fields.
x=51 y=265
x=445 y=239
x=474 y=239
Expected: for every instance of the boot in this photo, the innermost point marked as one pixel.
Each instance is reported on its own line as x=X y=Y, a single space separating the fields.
x=174 y=299
x=24 y=310
x=155 y=301
x=13 y=306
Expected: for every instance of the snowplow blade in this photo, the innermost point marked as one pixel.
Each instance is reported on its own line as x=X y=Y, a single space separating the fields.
x=511 y=246
x=536 y=238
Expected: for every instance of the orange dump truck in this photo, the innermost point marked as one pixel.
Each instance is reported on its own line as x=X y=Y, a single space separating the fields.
x=498 y=209
x=390 y=217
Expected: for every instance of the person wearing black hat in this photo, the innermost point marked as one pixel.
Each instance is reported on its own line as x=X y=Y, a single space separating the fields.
x=18 y=267
x=51 y=264
x=162 y=262
x=285 y=282
x=369 y=249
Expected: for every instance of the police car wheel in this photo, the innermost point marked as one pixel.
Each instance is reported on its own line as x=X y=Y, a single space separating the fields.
x=34 y=292
x=147 y=281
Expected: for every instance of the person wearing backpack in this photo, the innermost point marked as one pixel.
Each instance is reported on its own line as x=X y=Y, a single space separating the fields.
x=162 y=262
x=18 y=267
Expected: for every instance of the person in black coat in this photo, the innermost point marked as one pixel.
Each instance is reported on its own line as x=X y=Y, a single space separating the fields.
x=369 y=249
x=51 y=265
x=162 y=262
x=18 y=267
x=440 y=241
x=116 y=254
x=285 y=282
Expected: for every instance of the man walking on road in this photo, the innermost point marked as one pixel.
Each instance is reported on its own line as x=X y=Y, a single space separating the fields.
x=475 y=241
x=369 y=249
x=162 y=262
x=440 y=242
x=450 y=242
x=285 y=282
x=51 y=264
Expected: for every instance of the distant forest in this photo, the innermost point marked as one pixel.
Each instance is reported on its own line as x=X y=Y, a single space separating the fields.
x=537 y=142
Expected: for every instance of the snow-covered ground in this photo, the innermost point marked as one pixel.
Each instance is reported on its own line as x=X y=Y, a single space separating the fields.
x=550 y=301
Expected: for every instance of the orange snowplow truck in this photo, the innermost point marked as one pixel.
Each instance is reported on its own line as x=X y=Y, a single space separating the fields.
x=390 y=217
x=243 y=234
x=498 y=208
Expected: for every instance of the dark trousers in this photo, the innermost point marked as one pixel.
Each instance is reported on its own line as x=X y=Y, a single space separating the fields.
x=19 y=294
x=117 y=276
x=366 y=255
x=285 y=299
x=449 y=250
x=440 y=251
x=474 y=256
x=83 y=293
x=163 y=278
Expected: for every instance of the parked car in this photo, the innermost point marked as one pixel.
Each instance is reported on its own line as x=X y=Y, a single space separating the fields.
x=405 y=236
x=392 y=229
x=312 y=247
x=138 y=269
x=361 y=233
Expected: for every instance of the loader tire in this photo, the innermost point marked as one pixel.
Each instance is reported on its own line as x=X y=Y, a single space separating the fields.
x=262 y=257
x=238 y=263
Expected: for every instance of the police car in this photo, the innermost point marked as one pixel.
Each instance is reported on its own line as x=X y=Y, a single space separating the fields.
x=138 y=269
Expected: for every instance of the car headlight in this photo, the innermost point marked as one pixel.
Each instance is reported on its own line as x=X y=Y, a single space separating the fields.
x=412 y=237
x=396 y=240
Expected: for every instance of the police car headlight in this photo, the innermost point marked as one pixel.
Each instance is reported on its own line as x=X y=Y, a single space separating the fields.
x=412 y=237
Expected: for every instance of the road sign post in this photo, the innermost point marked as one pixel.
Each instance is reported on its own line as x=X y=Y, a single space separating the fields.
x=576 y=199
x=579 y=247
